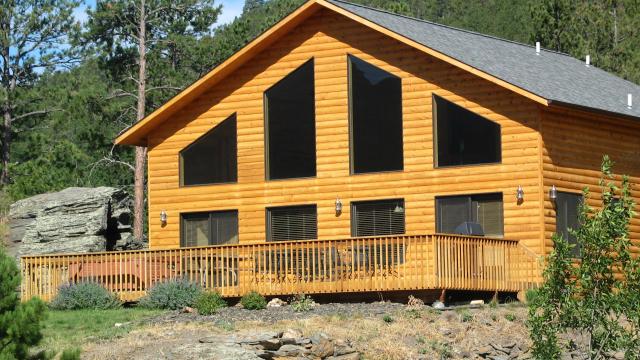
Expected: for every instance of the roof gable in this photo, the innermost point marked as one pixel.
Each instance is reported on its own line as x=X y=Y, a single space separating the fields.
x=547 y=78
x=553 y=76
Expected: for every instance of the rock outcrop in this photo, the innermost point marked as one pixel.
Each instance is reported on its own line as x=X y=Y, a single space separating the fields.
x=72 y=220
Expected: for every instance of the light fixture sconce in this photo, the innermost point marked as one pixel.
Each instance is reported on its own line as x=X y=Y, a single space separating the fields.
x=338 y=206
x=553 y=193
x=163 y=217
x=520 y=194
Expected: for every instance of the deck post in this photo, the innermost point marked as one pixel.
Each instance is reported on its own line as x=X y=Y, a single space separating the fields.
x=443 y=296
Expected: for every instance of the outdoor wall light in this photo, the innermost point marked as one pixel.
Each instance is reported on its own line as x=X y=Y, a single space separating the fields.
x=553 y=193
x=163 y=217
x=338 y=206
x=520 y=194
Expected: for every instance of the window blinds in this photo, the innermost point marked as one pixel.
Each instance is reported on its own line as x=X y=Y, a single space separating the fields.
x=378 y=218
x=292 y=223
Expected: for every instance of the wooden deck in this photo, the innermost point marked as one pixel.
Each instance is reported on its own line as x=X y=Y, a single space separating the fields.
x=319 y=266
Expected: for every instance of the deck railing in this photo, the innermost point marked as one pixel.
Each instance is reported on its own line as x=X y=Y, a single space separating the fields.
x=411 y=262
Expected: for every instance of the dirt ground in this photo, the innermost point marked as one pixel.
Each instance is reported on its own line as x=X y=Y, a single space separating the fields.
x=377 y=331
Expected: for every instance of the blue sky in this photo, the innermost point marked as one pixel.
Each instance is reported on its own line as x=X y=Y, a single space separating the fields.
x=230 y=9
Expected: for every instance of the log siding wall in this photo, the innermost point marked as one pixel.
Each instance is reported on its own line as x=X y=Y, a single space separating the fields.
x=328 y=38
x=574 y=143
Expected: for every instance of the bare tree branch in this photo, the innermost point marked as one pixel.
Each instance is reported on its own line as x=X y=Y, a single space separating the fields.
x=118 y=93
x=164 y=87
x=33 y=113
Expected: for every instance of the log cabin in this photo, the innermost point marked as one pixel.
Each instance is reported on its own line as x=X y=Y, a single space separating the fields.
x=348 y=149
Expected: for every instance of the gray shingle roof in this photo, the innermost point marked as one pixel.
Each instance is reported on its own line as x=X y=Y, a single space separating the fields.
x=553 y=76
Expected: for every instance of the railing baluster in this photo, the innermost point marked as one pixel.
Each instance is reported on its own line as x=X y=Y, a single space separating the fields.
x=401 y=262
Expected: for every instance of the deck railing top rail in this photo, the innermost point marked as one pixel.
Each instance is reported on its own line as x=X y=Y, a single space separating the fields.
x=469 y=237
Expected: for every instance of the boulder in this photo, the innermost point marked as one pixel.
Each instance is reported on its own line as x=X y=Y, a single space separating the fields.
x=276 y=302
x=74 y=220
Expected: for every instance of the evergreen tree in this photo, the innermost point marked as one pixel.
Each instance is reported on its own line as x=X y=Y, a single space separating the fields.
x=19 y=322
x=34 y=35
x=607 y=30
x=250 y=5
x=142 y=41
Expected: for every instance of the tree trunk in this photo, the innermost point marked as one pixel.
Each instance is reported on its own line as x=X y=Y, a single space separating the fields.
x=6 y=144
x=8 y=85
x=141 y=152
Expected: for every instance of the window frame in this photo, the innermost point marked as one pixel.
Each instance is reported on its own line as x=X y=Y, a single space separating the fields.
x=265 y=112
x=351 y=118
x=576 y=252
x=438 y=198
x=354 y=219
x=183 y=218
x=268 y=221
x=434 y=127
x=181 y=157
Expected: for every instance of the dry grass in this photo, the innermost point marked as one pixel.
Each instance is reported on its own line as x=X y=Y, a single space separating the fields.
x=412 y=333
x=407 y=334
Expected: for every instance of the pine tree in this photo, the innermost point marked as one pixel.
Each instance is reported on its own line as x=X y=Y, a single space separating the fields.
x=133 y=34
x=34 y=35
x=19 y=322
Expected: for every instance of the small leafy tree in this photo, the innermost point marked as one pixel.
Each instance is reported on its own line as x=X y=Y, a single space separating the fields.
x=596 y=296
x=19 y=322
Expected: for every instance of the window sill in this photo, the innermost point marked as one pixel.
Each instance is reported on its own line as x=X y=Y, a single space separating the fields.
x=443 y=167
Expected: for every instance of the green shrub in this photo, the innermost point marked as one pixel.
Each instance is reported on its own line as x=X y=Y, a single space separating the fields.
x=172 y=295
x=531 y=295
x=588 y=297
x=493 y=303
x=20 y=323
x=510 y=317
x=302 y=302
x=413 y=314
x=86 y=295
x=208 y=303
x=465 y=315
x=71 y=354
x=441 y=348
x=388 y=319
x=253 y=301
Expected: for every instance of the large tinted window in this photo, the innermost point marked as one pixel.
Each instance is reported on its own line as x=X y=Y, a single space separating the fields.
x=470 y=215
x=212 y=158
x=463 y=137
x=377 y=218
x=212 y=228
x=290 y=125
x=567 y=209
x=292 y=223
x=375 y=99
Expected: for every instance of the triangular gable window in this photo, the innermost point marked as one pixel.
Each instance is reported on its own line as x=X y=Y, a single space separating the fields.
x=212 y=158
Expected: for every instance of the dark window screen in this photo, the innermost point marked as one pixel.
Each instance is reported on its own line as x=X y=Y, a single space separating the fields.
x=377 y=218
x=486 y=210
x=292 y=223
x=567 y=208
x=214 y=228
x=463 y=137
x=290 y=122
x=375 y=98
x=212 y=158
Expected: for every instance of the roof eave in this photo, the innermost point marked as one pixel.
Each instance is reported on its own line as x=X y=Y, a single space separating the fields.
x=557 y=104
